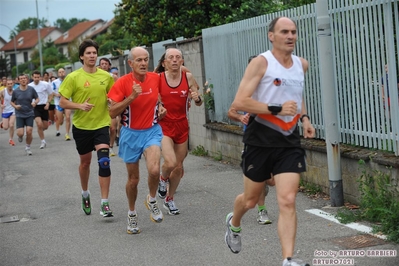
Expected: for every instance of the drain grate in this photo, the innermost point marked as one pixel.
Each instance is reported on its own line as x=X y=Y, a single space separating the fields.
x=358 y=241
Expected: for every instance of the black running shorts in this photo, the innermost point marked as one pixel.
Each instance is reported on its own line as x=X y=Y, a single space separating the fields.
x=259 y=162
x=86 y=140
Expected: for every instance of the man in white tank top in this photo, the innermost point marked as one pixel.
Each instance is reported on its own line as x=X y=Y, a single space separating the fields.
x=271 y=89
x=8 y=113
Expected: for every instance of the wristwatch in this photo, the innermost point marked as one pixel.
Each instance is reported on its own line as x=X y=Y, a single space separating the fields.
x=274 y=108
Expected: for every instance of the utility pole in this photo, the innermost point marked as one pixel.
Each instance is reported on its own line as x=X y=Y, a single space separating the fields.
x=40 y=40
x=330 y=103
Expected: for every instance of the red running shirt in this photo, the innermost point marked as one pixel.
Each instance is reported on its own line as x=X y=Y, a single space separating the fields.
x=142 y=113
x=175 y=99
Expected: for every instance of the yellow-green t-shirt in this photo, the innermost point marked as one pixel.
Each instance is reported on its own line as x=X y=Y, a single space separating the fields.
x=78 y=86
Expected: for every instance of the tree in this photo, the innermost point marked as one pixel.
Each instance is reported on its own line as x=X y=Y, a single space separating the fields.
x=50 y=53
x=156 y=20
x=65 y=25
x=5 y=66
x=29 y=24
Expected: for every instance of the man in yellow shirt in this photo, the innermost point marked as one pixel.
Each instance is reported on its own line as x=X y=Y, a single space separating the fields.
x=87 y=90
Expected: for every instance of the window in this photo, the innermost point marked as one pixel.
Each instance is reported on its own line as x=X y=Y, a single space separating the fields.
x=26 y=59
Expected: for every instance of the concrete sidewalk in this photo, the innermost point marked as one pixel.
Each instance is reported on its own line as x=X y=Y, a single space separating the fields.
x=43 y=192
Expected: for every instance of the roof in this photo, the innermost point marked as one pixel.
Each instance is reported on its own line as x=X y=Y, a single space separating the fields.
x=30 y=39
x=76 y=31
x=103 y=29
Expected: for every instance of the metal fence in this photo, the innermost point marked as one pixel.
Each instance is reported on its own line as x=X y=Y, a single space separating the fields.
x=365 y=36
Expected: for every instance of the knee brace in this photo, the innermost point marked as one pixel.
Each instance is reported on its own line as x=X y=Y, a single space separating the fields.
x=104 y=162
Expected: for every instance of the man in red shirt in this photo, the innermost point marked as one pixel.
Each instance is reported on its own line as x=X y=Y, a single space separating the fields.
x=177 y=88
x=135 y=97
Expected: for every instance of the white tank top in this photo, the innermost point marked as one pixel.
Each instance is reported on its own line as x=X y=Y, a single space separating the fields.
x=278 y=85
x=7 y=102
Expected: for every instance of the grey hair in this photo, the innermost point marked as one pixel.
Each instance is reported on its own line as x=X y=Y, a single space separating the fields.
x=173 y=48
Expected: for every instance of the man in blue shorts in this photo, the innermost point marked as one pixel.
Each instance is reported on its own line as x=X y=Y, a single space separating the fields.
x=135 y=97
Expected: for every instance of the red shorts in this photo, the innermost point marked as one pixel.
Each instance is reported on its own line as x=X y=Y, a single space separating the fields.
x=176 y=130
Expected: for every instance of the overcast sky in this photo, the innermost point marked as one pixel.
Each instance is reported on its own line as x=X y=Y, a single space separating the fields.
x=13 y=11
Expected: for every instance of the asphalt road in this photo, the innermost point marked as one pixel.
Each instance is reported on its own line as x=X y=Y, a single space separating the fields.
x=43 y=191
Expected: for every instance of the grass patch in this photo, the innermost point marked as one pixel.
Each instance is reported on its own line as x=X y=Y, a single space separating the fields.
x=379 y=203
x=218 y=156
x=310 y=189
x=199 y=151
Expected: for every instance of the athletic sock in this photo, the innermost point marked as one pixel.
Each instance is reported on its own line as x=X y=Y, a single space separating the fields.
x=261 y=208
x=168 y=198
x=131 y=213
x=85 y=194
x=235 y=229
x=151 y=199
x=104 y=200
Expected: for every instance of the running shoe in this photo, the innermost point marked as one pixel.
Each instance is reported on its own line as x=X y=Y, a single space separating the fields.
x=57 y=134
x=11 y=142
x=28 y=151
x=86 y=206
x=43 y=145
x=162 y=188
x=232 y=239
x=156 y=214
x=105 y=210
x=294 y=262
x=263 y=218
x=111 y=152
x=132 y=227
x=67 y=137
x=171 y=207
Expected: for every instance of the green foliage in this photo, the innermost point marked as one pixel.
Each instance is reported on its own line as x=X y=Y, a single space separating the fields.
x=310 y=188
x=199 y=151
x=29 y=24
x=22 y=68
x=346 y=215
x=73 y=50
x=209 y=97
x=4 y=66
x=218 y=156
x=50 y=55
x=65 y=25
x=152 y=21
x=379 y=202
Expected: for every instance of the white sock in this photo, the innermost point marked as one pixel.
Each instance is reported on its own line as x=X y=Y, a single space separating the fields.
x=43 y=141
x=151 y=199
x=104 y=200
x=86 y=193
x=131 y=213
